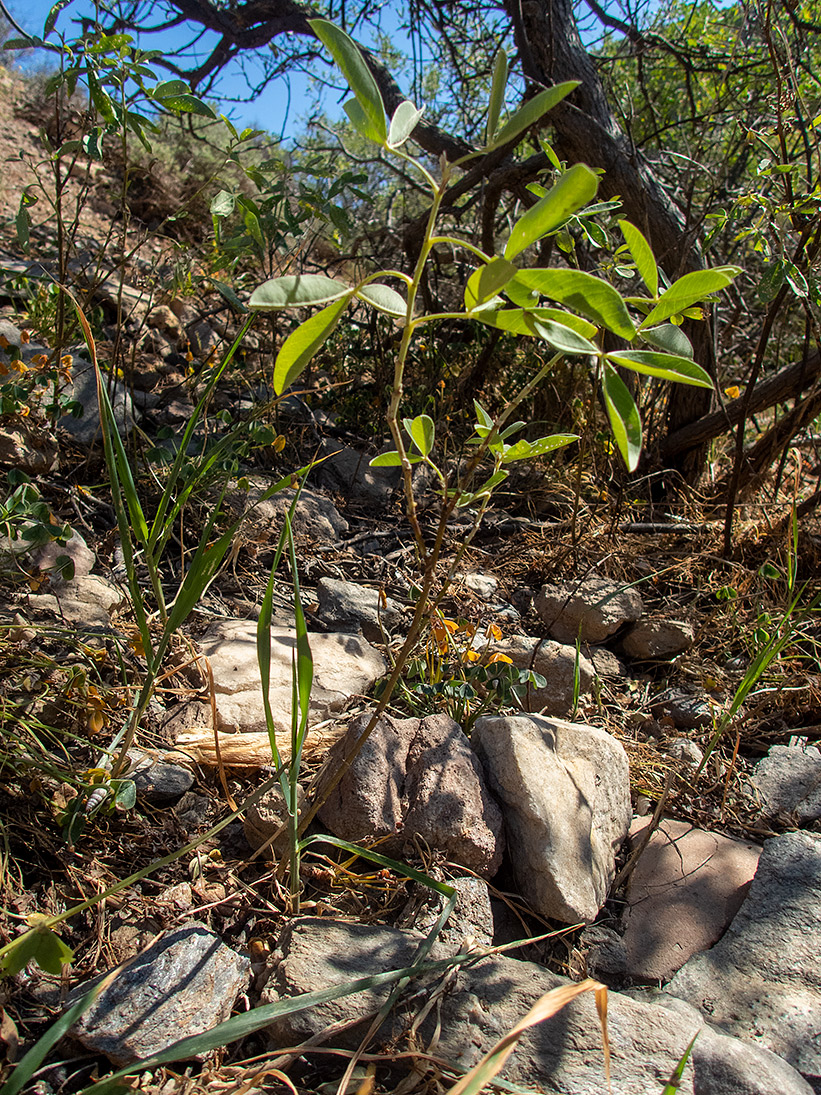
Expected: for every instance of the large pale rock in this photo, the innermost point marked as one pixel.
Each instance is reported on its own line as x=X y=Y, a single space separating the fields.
x=28 y=448
x=788 y=783
x=185 y=983
x=348 y=471
x=86 y=602
x=557 y=664
x=483 y=1002
x=344 y=665
x=416 y=778
x=762 y=980
x=687 y=886
x=651 y=640
x=315 y=516
x=346 y=606
x=593 y=609
x=75 y=548
x=565 y=791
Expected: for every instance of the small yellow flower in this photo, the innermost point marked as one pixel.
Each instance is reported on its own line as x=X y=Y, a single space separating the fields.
x=279 y=443
x=472 y=655
x=18 y=366
x=733 y=392
x=4 y=343
x=500 y=658
x=493 y=632
x=25 y=337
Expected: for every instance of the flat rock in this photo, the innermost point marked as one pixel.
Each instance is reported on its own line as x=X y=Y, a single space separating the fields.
x=45 y=557
x=593 y=609
x=788 y=783
x=472 y=918
x=762 y=980
x=185 y=983
x=658 y=640
x=686 y=710
x=315 y=516
x=348 y=471
x=159 y=781
x=687 y=886
x=85 y=602
x=485 y=586
x=557 y=664
x=483 y=1002
x=565 y=793
x=346 y=606
x=344 y=665
x=416 y=778
x=83 y=389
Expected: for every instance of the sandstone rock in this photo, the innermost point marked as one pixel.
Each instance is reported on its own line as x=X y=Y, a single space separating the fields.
x=86 y=602
x=557 y=664
x=264 y=819
x=472 y=918
x=788 y=783
x=416 y=777
x=685 y=750
x=45 y=557
x=185 y=983
x=485 y=1000
x=593 y=609
x=345 y=606
x=605 y=662
x=484 y=586
x=652 y=640
x=688 y=711
x=344 y=665
x=565 y=791
x=162 y=318
x=160 y=782
x=762 y=980
x=687 y=886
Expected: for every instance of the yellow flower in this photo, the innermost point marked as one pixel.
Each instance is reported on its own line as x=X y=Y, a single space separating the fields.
x=500 y=658
x=472 y=655
x=493 y=632
x=733 y=392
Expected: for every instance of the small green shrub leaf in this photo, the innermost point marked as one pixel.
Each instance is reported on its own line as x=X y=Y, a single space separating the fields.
x=525 y=450
x=403 y=123
x=352 y=65
x=531 y=112
x=642 y=255
x=680 y=370
x=422 y=431
x=497 y=95
x=295 y=290
x=223 y=204
x=688 y=290
x=303 y=343
x=584 y=293
x=41 y=945
x=487 y=281
x=669 y=339
x=519 y=321
x=392 y=460
x=574 y=189
x=624 y=416
x=361 y=121
x=563 y=338
x=384 y=299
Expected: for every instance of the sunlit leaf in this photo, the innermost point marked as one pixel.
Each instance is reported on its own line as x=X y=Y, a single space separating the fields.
x=384 y=299
x=497 y=95
x=531 y=112
x=642 y=255
x=403 y=123
x=352 y=65
x=624 y=416
x=487 y=281
x=680 y=370
x=421 y=430
x=584 y=293
x=303 y=343
x=295 y=290
x=392 y=460
x=688 y=290
x=526 y=450
x=670 y=339
x=574 y=189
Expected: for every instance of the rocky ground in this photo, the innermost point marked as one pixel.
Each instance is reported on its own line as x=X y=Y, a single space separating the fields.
x=599 y=813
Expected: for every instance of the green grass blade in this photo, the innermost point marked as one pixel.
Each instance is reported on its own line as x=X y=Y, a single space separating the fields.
x=672 y=1085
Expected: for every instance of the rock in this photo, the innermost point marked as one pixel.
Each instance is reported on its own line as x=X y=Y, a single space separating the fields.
x=163 y=319
x=265 y=818
x=315 y=517
x=605 y=663
x=416 y=778
x=762 y=980
x=345 y=606
x=344 y=665
x=483 y=1002
x=28 y=448
x=484 y=586
x=788 y=782
x=85 y=602
x=348 y=472
x=185 y=983
x=203 y=338
x=45 y=557
x=593 y=609
x=687 y=711
x=684 y=749
x=565 y=791
x=159 y=782
x=606 y=956
x=557 y=664
x=685 y=889
x=472 y=917
x=83 y=388
x=658 y=640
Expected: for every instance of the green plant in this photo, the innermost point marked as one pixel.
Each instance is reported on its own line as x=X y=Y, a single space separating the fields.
x=503 y=292
x=27 y=522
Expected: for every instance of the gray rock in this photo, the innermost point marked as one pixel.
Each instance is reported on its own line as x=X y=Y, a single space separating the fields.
x=605 y=663
x=346 y=606
x=348 y=472
x=83 y=388
x=788 y=782
x=264 y=819
x=159 y=782
x=416 y=778
x=46 y=556
x=185 y=983
x=28 y=448
x=85 y=602
x=658 y=640
x=484 y=1001
x=472 y=918
x=762 y=980
x=483 y=585
x=685 y=889
x=344 y=665
x=557 y=664
x=315 y=516
x=686 y=710
x=593 y=609
x=684 y=749
x=565 y=790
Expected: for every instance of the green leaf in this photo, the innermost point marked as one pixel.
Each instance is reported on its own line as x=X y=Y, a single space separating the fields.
x=642 y=255
x=352 y=65
x=688 y=290
x=771 y=281
x=574 y=189
x=361 y=121
x=563 y=338
x=41 y=945
x=486 y=488
x=624 y=416
x=100 y=99
x=544 y=323
x=482 y=417
x=670 y=339
x=392 y=460
x=22 y=223
x=125 y=793
x=403 y=123
x=673 y=1085
x=188 y=104
x=228 y=293
x=486 y=282
x=525 y=450
x=531 y=112
x=223 y=204
x=303 y=343
x=421 y=430
x=497 y=95
x=384 y=299
x=111 y=43
x=295 y=290
x=680 y=370
x=584 y=293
